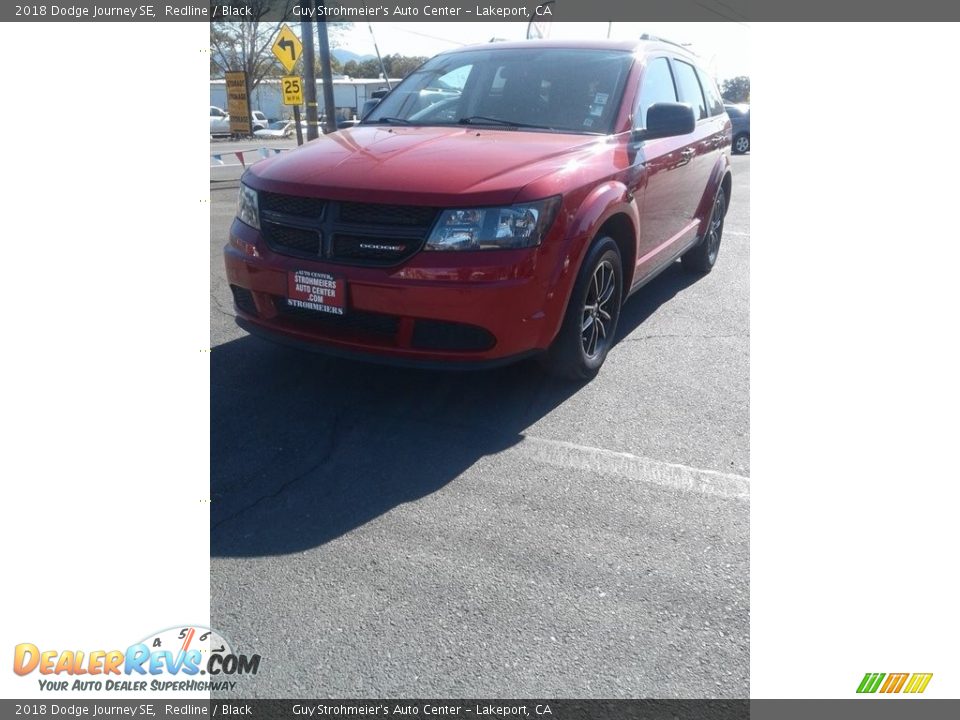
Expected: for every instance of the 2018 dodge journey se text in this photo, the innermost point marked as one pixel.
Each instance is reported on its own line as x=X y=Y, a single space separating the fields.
x=503 y=200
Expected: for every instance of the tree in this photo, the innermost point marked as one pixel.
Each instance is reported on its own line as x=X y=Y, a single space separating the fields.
x=351 y=68
x=399 y=66
x=335 y=66
x=246 y=45
x=736 y=90
x=369 y=69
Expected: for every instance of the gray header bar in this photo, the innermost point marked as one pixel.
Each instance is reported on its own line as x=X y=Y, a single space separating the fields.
x=740 y=11
x=874 y=708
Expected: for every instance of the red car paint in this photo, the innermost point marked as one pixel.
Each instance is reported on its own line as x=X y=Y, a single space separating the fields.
x=655 y=196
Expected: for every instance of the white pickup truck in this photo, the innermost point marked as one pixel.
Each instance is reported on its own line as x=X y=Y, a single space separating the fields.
x=220 y=121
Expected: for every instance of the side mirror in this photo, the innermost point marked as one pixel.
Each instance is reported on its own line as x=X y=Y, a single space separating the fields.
x=368 y=106
x=667 y=120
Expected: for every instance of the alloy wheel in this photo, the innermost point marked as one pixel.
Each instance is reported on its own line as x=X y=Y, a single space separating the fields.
x=715 y=229
x=598 y=311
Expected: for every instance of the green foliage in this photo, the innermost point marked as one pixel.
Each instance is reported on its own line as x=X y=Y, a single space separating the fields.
x=246 y=45
x=398 y=66
x=736 y=90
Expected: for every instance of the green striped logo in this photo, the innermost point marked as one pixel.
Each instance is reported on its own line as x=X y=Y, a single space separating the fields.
x=894 y=682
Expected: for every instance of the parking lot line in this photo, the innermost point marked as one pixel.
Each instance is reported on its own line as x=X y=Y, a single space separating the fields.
x=610 y=463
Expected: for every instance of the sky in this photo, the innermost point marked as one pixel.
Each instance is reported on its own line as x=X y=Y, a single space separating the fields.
x=723 y=47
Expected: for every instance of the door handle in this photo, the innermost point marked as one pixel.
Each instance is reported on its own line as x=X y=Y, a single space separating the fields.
x=688 y=153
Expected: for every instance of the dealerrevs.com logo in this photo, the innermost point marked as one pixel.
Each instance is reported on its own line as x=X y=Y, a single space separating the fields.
x=910 y=683
x=185 y=658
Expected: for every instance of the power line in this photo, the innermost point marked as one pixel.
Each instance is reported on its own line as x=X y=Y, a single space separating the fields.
x=725 y=17
x=426 y=35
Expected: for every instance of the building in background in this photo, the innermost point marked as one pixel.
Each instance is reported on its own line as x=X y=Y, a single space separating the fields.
x=349 y=95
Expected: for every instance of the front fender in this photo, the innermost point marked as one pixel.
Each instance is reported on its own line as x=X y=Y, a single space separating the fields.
x=585 y=220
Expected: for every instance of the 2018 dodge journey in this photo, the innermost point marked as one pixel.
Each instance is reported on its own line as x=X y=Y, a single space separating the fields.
x=504 y=200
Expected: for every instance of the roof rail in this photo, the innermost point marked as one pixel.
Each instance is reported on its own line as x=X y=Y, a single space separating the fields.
x=655 y=38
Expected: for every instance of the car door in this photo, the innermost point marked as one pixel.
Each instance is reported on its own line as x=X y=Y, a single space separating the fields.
x=702 y=147
x=720 y=126
x=219 y=122
x=667 y=171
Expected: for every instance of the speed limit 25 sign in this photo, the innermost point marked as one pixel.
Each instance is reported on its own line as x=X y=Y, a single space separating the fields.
x=292 y=90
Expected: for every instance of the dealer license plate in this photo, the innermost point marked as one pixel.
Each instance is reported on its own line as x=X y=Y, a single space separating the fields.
x=316 y=291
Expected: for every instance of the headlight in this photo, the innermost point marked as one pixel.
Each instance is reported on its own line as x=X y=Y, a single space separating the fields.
x=248 y=210
x=505 y=228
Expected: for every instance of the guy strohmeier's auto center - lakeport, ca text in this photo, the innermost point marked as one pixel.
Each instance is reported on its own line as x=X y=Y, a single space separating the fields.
x=384 y=11
x=384 y=710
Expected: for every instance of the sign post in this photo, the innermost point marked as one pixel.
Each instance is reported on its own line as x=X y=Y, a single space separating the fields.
x=292 y=88
x=287 y=48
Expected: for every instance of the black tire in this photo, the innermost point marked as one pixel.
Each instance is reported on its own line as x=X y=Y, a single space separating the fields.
x=741 y=144
x=701 y=258
x=590 y=324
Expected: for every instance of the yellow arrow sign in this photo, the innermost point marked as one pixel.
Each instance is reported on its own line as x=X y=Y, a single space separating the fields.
x=287 y=47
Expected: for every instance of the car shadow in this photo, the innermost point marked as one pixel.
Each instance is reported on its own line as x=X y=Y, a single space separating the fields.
x=305 y=448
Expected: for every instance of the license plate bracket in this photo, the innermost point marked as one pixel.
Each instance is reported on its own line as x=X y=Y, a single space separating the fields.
x=320 y=292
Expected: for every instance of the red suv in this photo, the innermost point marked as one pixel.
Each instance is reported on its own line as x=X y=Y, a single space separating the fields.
x=502 y=201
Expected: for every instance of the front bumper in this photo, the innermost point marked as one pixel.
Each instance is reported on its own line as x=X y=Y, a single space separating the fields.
x=464 y=308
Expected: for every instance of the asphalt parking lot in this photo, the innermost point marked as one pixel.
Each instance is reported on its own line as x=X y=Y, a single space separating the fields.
x=391 y=532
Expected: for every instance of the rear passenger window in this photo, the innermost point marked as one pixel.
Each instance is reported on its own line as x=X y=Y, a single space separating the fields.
x=714 y=101
x=657 y=86
x=689 y=87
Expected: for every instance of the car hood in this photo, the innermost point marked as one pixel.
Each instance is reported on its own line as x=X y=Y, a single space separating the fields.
x=420 y=165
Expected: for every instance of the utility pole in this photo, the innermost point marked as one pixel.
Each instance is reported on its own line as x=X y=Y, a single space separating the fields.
x=383 y=68
x=330 y=108
x=309 y=73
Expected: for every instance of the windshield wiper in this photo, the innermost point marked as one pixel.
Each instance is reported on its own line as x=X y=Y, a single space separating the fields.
x=396 y=120
x=484 y=120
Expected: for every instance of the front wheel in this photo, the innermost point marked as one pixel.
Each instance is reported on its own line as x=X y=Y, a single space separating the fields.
x=590 y=325
x=702 y=257
x=741 y=144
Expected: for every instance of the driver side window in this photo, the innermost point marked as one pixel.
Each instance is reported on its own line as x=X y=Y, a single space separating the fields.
x=455 y=80
x=656 y=86
x=440 y=99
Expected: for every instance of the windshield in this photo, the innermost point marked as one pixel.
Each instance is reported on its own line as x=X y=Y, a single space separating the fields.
x=558 y=89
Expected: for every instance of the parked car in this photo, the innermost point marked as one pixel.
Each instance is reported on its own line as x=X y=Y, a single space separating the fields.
x=342 y=123
x=512 y=218
x=219 y=121
x=277 y=129
x=258 y=120
x=370 y=103
x=740 y=117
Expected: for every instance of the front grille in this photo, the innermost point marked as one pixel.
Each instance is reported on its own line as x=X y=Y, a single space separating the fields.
x=440 y=335
x=377 y=214
x=353 y=321
x=344 y=232
x=299 y=241
x=373 y=249
x=292 y=205
x=243 y=299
